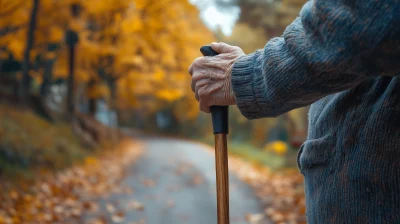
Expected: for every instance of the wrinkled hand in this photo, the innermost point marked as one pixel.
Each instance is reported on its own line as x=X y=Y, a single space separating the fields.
x=211 y=77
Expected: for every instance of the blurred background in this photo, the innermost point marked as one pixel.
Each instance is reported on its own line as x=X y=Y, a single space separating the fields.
x=79 y=76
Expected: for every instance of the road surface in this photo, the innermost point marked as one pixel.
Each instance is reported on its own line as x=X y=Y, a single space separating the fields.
x=175 y=182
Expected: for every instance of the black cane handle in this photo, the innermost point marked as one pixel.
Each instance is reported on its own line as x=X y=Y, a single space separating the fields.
x=219 y=113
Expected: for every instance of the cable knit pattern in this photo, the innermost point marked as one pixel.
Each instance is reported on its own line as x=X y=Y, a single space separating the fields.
x=343 y=57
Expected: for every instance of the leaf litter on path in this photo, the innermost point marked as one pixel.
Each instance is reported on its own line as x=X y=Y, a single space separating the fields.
x=135 y=205
x=282 y=194
x=65 y=196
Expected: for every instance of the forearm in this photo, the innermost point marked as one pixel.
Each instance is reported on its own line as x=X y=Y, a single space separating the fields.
x=327 y=50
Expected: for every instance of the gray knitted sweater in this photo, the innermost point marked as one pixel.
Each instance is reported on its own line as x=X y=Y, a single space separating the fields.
x=343 y=57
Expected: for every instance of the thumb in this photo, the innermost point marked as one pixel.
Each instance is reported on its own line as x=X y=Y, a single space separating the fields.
x=222 y=48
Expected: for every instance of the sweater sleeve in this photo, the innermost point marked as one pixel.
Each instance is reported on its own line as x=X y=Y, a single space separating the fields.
x=333 y=46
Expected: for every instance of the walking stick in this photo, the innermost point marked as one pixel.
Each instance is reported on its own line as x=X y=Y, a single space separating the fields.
x=220 y=126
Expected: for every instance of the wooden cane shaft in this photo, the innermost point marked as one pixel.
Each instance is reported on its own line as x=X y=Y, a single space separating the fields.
x=221 y=165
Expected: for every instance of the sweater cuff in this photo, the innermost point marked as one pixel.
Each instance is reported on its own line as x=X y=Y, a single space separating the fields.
x=243 y=86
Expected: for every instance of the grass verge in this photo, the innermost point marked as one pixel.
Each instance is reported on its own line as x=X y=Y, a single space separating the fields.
x=29 y=144
x=258 y=156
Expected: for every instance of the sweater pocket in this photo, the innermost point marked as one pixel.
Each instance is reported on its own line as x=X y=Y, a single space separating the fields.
x=316 y=153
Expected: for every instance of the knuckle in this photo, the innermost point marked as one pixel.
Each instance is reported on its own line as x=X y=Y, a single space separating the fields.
x=201 y=93
x=196 y=76
x=198 y=61
x=190 y=69
x=236 y=48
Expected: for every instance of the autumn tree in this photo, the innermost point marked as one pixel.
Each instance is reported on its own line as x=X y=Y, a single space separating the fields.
x=25 y=84
x=36 y=38
x=156 y=55
x=132 y=53
x=13 y=18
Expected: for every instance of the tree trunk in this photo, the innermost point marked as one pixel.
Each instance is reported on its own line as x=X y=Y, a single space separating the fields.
x=26 y=79
x=92 y=107
x=92 y=103
x=71 y=38
x=113 y=96
x=47 y=75
x=71 y=81
x=113 y=126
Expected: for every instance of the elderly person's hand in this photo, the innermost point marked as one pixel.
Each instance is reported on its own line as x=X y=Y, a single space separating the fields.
x=211 y=77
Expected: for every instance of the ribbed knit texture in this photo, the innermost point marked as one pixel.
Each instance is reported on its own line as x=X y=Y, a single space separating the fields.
x=343 y=57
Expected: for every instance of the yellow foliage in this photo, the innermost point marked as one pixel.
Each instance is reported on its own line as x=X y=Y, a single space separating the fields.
x=91 y=161
x=144 y=47
x=98 y=91
x=56 y=34
x=186 y=109
x=278 y=147
x=17 y=47
x=159 y=39
x=50 y=55
x=158 y=76
x=169 y=95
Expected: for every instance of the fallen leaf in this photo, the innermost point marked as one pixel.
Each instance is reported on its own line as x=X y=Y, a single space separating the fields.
x=97 y=221
x=277 y=217
x=197 y=179
x=118 y=217
x=110 y=208
x=58 y=209
x=14 y=194
x=149 y=183
x=135 y=205
x=90 y=206
x=254 y=218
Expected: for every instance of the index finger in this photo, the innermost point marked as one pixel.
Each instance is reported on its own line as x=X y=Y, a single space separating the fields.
x=191 y=69
x=192 y=65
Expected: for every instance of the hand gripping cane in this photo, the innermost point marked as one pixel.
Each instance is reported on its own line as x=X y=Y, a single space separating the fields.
x=220 y=125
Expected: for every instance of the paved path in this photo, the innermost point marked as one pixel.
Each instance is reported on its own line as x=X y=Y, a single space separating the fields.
x=175 y=182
